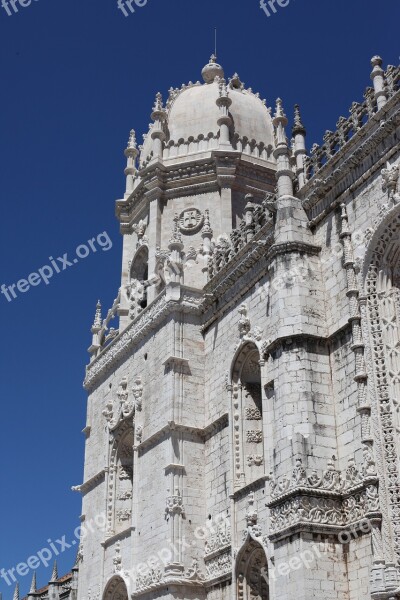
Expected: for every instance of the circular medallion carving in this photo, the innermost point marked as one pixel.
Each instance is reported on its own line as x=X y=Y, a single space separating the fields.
x=190 y=221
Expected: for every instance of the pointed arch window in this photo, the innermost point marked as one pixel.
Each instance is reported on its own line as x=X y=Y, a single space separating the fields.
x=252 y=573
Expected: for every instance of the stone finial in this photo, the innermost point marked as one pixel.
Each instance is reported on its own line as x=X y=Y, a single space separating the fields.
x=97 y=317
x=176 y=235
x=212 y=70
x=235 y=83
x=16 y=592
x=206 y=230
x=298 y=127
x=54 y=574
x=132 y=145
x=158 y=103
x=280 y=116
x=33 y=587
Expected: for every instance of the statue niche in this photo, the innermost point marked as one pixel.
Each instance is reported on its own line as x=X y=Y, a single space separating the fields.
x=138 y=281
x=124 y=482
x=247 y=416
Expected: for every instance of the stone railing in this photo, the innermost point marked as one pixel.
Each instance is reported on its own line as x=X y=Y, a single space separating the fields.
x=360 y=114
x=227 y=247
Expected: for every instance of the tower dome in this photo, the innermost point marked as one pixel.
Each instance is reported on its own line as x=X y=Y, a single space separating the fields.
x=193 y=113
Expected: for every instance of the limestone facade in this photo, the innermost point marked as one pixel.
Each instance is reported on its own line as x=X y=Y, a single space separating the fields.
x=242 y=436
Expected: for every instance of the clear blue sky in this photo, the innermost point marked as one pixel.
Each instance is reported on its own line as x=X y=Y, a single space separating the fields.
x=76 y=75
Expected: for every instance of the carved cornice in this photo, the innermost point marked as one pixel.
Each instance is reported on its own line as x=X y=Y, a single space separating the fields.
x=290 y=247
x=194 y=176
x=324 y=505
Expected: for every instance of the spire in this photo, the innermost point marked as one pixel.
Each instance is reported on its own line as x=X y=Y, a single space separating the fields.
x=33 y=584
x=16 y=592
x=378 y=80
x=54 y=575
x=158 y=136
x=158 y=104
x=299 y=150
x=97 y=317
x=225 y=120
x=279 y=112
x=298 y=126
x=132 y=145
x=284 y=172
x=131 y=153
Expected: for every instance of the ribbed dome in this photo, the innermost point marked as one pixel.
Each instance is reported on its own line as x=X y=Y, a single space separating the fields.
x=195 y=112
x=190 y=118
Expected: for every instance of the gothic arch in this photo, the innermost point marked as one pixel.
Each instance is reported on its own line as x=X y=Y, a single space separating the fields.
x=116 y=589
x=381 y=278
x=247 y=413
x=251 y=571
x=139 y=264
x=389 y=218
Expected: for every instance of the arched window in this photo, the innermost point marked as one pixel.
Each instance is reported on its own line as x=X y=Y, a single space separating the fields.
x=247 y=411
x=138 y=282
x=252 y=573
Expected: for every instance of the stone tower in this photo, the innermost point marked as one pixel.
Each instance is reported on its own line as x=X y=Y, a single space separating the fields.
x=242 y=436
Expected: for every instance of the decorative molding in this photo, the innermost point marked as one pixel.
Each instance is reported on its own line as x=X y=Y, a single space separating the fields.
x=191 y=220
x=328 y=513
x=120 y=409
x=219 y=565
x=218 y=541
x=174 y=505
x=90 y=484
x=330 y=480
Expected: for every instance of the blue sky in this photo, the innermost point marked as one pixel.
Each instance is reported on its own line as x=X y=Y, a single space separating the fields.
x=76 y=76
